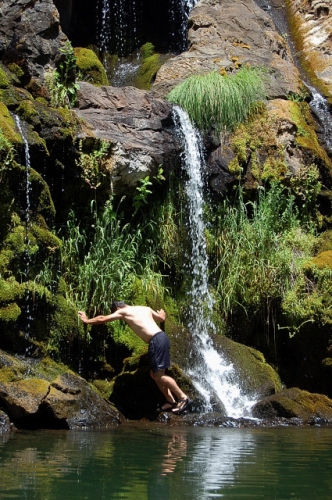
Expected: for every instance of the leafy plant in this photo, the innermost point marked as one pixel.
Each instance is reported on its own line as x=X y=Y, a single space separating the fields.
x=61 y=83
x=219 y=102
x=94 y=163
x=105 y=264
x=142 y=191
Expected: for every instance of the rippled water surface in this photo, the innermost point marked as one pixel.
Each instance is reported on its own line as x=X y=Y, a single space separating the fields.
x=159 y=462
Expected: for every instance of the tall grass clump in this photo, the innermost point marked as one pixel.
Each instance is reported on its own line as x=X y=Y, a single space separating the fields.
x=259 y=250
x=104 y=264
x=219 y=102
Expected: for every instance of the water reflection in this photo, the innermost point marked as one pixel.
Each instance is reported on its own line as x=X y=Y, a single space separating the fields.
x=155 y=462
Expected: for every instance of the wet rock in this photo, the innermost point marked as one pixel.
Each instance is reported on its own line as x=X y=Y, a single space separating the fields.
x=312 y=29
x=295 y=404
x=225 y=35
x=138 y=125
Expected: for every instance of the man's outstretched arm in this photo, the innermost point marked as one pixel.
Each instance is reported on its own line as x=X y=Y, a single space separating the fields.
x=98 y=320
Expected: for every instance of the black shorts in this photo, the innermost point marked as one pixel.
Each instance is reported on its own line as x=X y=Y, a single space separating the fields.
x=159 y=355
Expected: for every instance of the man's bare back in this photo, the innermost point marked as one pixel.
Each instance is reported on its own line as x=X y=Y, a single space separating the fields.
x=141 y=319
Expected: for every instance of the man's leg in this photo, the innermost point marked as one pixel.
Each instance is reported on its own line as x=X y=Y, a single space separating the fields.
x=167 y=385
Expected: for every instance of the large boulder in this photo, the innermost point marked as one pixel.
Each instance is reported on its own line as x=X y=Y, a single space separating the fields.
x=30 y=35
x=42 y=394
x=138 y=126
x=225 y=35
x=294 y=403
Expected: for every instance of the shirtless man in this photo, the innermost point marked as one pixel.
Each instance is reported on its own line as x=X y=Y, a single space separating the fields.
x=142 y=320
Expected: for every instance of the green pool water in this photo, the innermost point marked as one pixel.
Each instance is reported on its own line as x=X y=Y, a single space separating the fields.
x=149 y=461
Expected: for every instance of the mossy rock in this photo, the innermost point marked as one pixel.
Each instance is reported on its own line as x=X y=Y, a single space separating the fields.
x=12 y=96
x=7 y=125
x=4 y=80
x=148 y=70
x=295 y=403
x=89 y=67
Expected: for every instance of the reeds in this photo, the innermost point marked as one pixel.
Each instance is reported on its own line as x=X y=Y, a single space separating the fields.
x=218 y=102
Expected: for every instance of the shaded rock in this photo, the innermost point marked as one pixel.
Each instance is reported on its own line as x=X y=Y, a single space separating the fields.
x=226 y=35
x=30 y=35
x=138 y=125
x=295 y=403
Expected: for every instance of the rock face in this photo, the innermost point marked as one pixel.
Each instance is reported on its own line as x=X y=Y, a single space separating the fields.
x=312 y=27
x=139 y=127
x=225 y=35
x=30 y=35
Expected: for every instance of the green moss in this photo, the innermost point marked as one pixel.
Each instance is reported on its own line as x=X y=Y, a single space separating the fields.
x=26 y=110
x=306 y=137
x=255 y=145
x=104 y=388
x=148 y=71
x=7 y=125
x=147 y=50
x=9 y=290
x=16 y=69
x=7 y=374
x=4 y=80
x=89 y=67
x=45 y=238
x=10 y=312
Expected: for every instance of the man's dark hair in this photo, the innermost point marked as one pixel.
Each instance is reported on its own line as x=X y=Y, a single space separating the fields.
x=117 y=304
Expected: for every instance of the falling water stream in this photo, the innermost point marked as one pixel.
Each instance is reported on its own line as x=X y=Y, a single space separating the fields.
x=27 y=257
x=213 y=376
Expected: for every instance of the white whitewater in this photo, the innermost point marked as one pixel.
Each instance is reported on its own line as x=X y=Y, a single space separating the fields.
x=213 y=376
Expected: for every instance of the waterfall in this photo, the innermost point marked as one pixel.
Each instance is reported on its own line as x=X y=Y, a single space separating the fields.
x=27 y=257
x=212 y=375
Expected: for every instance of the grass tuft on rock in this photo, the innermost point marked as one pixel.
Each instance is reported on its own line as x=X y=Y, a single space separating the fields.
x=219 y=102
